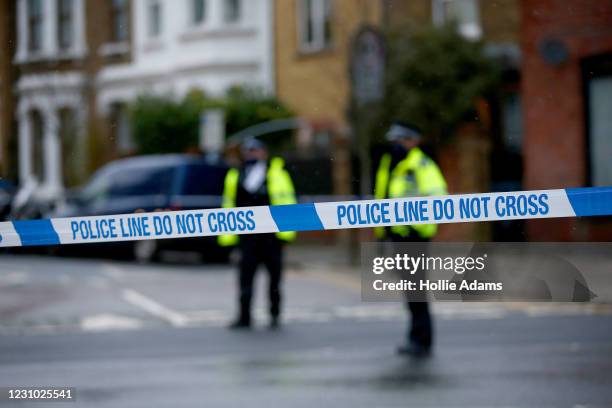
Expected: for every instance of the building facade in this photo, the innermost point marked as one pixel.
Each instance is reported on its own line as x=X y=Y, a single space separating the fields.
x=314 y=37
x=313 y=44
x=77 y=64
x=7 y=38
x=567 y=93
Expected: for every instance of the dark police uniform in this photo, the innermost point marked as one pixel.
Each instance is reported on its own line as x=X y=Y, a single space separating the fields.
x=267 y=249
x=405 y=174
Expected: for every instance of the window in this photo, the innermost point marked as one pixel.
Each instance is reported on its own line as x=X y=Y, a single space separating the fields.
x=155 y=18
x=600 y=130
x=65 y=23
x=38 y=134
x=119 y=18
x=315 y=23
x=464 y=12
x=198 y=11
x=232 y=11
x=120 y=128
x=68 y=139
x=119 y=181
x=97 y=188
x=35 y=25
x=141 y=181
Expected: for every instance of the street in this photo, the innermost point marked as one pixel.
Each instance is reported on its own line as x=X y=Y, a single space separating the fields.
x=129 y=335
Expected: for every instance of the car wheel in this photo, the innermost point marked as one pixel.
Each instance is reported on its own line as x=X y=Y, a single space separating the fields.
x=146 y=251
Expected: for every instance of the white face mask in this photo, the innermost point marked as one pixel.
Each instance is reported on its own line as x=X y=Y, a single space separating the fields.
x=255 y=176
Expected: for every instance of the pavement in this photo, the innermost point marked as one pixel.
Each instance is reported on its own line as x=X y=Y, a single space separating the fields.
x=129 y=335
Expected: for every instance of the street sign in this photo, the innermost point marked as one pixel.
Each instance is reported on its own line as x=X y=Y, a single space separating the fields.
x=367 y=67
x=212 y=130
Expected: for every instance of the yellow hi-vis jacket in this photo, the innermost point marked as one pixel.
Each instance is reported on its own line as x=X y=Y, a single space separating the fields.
x=280 y=190
x=416 y=175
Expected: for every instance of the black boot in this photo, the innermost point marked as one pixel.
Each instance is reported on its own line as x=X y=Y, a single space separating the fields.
x=274 y=323
x=240 y=323
x=243 y=321
x=413 y=349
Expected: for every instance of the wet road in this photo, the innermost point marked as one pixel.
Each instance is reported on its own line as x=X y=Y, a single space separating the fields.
x=140 y=336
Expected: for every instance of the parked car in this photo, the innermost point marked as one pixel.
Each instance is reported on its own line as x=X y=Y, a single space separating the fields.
x=7 y=190
x=152 y=183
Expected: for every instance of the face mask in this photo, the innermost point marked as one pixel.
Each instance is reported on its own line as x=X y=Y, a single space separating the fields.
x=398 y=151
x=250 y=162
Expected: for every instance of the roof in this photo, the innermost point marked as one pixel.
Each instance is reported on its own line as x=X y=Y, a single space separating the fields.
x=161 y=160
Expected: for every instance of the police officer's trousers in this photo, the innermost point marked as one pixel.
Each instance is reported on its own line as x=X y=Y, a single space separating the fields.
x=420 y=331
x=259 y=249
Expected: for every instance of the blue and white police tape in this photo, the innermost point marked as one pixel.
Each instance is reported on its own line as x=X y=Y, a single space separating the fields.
x=574 y=202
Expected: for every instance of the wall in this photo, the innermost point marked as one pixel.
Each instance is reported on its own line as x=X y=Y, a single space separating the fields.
x=7 y=100
x=554 y=111
x=100 y=73
x=315 y=85
x=501 y=21
x=212 y=56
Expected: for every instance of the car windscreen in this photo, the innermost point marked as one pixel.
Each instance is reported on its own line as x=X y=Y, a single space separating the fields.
x=141 y=181
x=118 y=181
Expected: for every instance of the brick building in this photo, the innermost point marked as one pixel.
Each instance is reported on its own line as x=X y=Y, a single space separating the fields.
x=58 y=52
x=7 y=38
x=567 y=99
x=313 y=40
x=313 y=50
x=486 y=155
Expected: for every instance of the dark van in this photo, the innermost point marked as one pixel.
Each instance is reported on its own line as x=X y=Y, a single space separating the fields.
x=152 y=183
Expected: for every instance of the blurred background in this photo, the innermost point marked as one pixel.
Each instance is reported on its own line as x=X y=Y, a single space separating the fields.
x=115 y=106
x=512 y=95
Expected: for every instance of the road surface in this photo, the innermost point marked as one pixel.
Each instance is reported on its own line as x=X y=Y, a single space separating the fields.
x=127 y=335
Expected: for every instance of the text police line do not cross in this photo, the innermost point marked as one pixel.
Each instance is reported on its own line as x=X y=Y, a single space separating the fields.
x=443 y=210
x=159 y=225
x=581 y=202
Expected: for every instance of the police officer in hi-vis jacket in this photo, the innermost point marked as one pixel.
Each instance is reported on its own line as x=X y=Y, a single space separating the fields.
x=260 y=181
x=403 y=172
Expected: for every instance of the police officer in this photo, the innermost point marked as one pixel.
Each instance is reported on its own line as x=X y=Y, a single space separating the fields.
x=260 y=181
x=407 y=171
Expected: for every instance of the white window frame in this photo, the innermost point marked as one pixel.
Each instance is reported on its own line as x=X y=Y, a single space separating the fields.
x=469 y=29
x=50 y=47
x=318 y=14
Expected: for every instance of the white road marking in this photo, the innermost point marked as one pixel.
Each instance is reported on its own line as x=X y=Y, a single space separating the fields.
x=302 y=315
x=356 y=312
x=468 y=311
x=13 y=278
x=208 y=317
x=366 y=312
x=107 y=322
x=154 y=308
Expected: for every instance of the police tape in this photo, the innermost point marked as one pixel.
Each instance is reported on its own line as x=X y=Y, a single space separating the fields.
x=574 y=202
